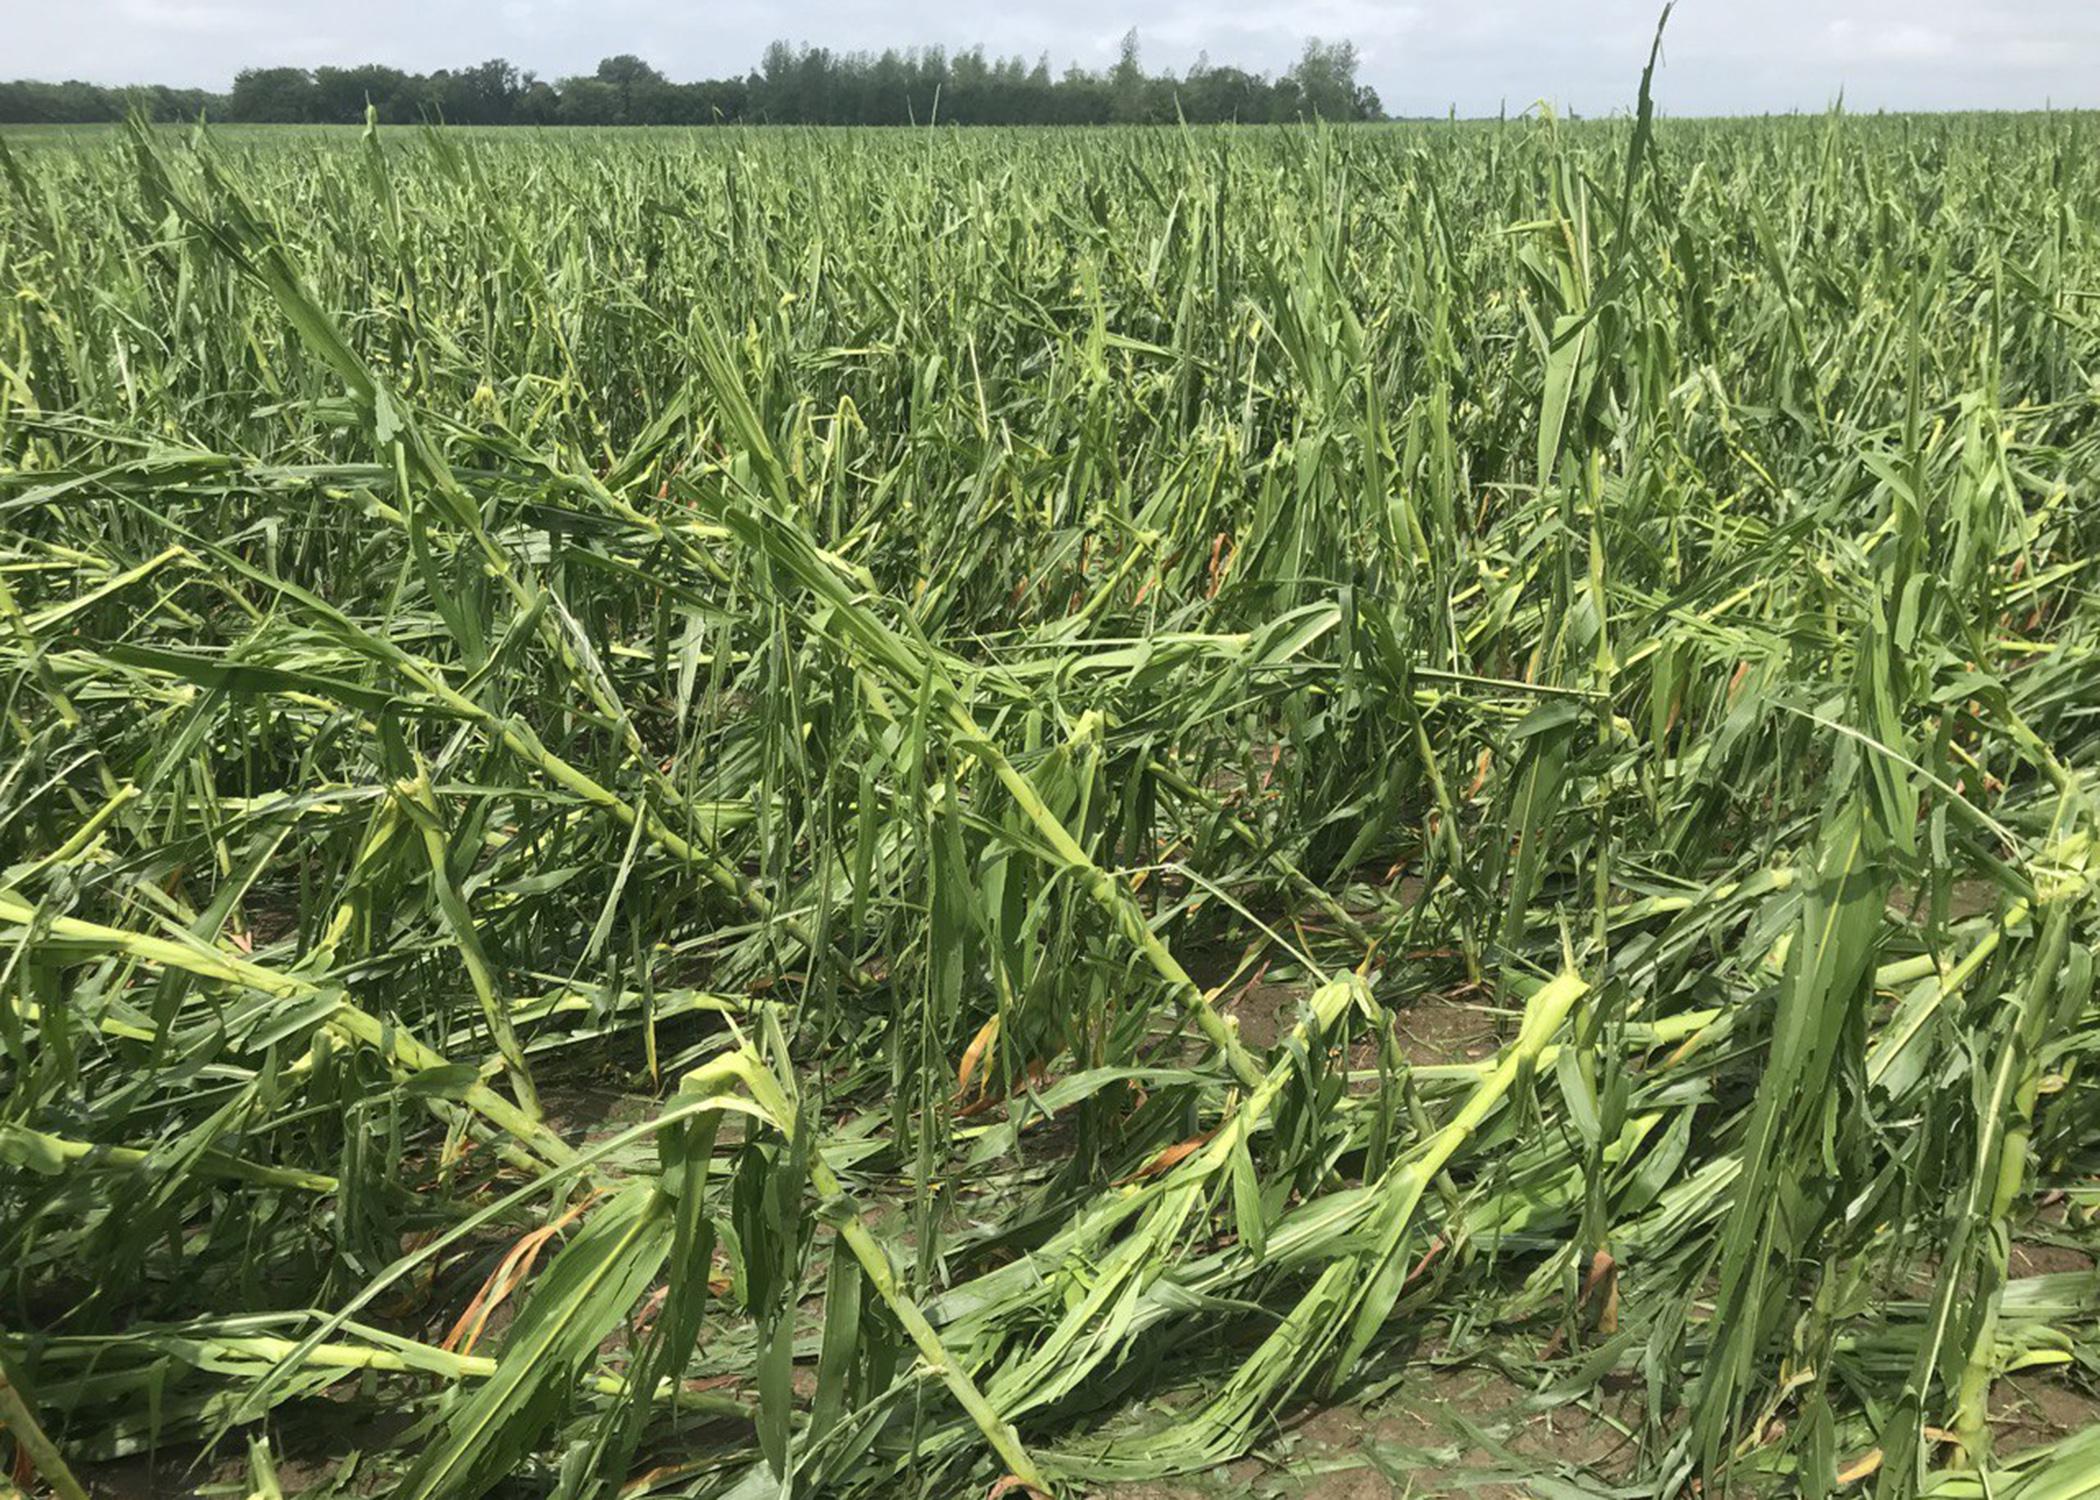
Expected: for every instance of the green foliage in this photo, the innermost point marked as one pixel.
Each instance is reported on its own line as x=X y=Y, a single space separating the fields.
x=791 y=86
x=714 y=740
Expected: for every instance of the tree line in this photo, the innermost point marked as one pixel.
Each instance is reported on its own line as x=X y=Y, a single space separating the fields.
x=791 y=86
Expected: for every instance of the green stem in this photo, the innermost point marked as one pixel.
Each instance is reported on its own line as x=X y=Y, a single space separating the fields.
x=44 y=1456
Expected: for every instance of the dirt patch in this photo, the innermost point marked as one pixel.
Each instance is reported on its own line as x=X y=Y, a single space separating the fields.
x=1456 y=1431
x=1433 y=1030
x=583 y=1114
x=1266 y=1011
x=2028 y=1259
x=317 y=1447
x=1966 y=898
x=1347 y=1484
x=1436 y=1030
x=1471 y=1422
x=167 y=1477
x=2028 y=1410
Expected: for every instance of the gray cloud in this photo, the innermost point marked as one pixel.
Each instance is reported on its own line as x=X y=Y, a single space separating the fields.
x=1722 y=56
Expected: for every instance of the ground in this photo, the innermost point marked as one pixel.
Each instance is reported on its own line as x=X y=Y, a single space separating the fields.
x=1468 y=1432
x=1442 y=1430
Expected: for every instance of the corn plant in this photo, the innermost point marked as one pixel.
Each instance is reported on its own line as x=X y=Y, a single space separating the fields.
x=859 y=652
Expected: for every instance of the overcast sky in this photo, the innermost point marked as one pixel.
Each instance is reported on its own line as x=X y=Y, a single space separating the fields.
x=1721 y=56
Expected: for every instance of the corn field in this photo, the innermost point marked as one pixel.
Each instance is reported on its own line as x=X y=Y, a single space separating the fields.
x=763 y=813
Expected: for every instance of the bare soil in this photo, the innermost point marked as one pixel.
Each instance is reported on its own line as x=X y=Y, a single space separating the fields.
x=1445 y=1431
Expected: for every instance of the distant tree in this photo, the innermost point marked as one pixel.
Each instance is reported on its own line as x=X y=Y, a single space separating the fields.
x=633 y=83
x=773 y=85
x=929 y=82
x=487 y=94
x=340 y=94
x=1082 y=98
x=665 y=104
x=792 y=85
x=1040 y=91
x=812 y=89
x=538 y=104
x=28 y=102
x=158 y=102
x=22 y=101
x=1326 y=79
x=968 y=98
x=626 y=70
x=1209 y=95
x=275 y=96
x=1286 y=103
x=727 y=100
x=78 y=98
x=589 y=101
x=1126 y=82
